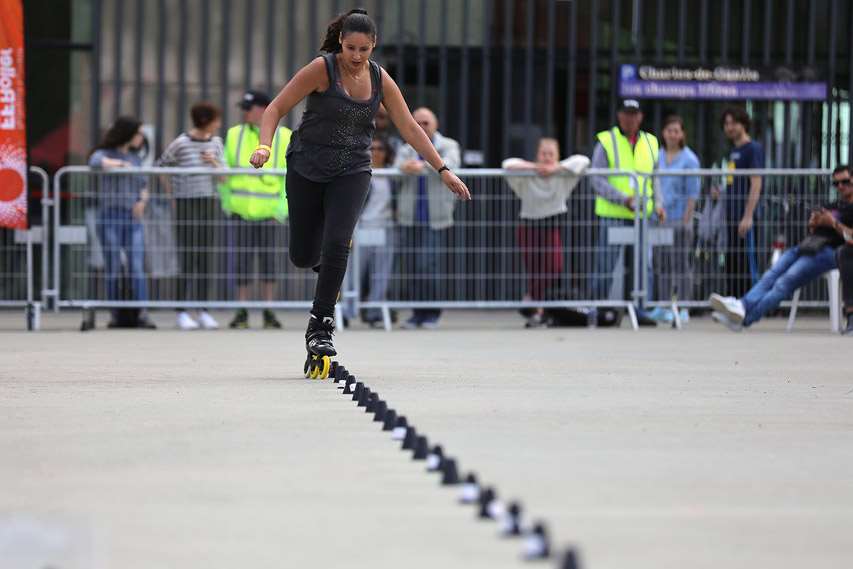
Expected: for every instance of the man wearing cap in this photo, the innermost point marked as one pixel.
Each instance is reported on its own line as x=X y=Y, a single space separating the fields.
x=623 y=147
x=256 y=205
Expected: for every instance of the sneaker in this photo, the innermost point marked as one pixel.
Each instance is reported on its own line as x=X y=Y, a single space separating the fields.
x=644 y=320
x=186 y=322
x=412 y=323
x=430 y=323
x=240 y=321
x=728 y=305
x=145 y=321
x=536 y=320
x=658 y=313
x=726 y=321
x=207 y=321
x=849 y=330
x=270 y=321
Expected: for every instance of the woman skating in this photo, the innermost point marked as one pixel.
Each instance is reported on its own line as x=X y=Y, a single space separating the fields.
x=328 y=174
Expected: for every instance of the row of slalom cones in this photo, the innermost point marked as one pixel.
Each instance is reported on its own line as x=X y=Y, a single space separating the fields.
x=537 y=544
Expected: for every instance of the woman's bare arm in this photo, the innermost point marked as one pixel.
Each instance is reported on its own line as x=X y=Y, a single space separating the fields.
x=312 y=77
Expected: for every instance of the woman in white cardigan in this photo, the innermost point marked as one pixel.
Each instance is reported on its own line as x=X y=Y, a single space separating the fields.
x=543 y=200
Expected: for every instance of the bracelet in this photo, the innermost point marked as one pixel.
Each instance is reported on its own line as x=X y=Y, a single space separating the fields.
x=264 y=147
x=443 y=168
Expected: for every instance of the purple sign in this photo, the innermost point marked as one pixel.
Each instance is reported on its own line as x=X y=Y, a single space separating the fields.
x=677 y=83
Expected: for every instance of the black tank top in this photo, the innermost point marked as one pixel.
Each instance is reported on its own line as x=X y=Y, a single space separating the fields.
x=333 y=138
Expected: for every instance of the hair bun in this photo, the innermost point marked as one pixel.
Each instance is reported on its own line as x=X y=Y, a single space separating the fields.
x=358 y=11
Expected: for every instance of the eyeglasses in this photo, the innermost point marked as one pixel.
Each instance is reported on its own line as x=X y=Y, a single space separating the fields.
x=838 y=183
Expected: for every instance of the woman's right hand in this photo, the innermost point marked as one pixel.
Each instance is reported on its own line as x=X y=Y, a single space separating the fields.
x=259 y=157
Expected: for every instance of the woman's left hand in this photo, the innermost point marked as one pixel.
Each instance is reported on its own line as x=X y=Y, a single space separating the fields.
x=455 y=185
x=661 y=214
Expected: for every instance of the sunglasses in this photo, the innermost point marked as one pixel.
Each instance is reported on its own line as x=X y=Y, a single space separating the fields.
x=838 y=183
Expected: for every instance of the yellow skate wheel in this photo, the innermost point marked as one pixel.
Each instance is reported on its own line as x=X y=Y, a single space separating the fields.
x=323 y=367
x=314 y=372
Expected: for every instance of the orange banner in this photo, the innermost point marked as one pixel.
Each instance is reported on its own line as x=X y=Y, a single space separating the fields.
x=13 y=133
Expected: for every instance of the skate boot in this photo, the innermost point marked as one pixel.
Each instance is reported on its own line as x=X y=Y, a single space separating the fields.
x=318 y=343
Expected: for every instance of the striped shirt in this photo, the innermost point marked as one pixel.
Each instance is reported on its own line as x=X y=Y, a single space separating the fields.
x=186 y=152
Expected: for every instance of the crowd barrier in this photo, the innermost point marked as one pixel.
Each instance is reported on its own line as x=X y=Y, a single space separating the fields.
x=184 y=251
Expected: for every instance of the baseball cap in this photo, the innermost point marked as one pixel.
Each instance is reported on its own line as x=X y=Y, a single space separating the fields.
x=630 y=106
x=254 y=98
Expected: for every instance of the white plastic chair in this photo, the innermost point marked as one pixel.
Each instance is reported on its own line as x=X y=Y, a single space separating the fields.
x=833 y=284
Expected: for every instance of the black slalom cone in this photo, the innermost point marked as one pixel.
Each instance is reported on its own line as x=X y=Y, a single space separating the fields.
x=357 y=391
x=485 y=500
x=421 y=449
x=349 y=384
x=537 y=544
x=434 y=458
x=399 y=432
x=364 y=397
x=449 y=475
x=410 y=439
x=570 y=560
x=470 y=491
x=371 y=403
x=390 y=420
x=380 y=411
x=511 y=524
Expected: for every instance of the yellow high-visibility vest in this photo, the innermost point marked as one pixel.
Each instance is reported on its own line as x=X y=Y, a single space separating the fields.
x=254 y=197
x=620 y=156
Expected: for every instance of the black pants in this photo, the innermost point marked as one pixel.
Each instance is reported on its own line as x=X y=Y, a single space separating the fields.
x=197 y=222
x=845 y=265
x=322 y=220
x=741 y=262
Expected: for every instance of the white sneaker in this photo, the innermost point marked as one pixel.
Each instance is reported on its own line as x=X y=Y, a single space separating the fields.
x=728 y=305
x=186 y=322
x=726 y=321
x=207 y=321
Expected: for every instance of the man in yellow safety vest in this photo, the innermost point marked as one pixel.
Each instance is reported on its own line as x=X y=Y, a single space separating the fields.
x=623 y=147
x=256 y=206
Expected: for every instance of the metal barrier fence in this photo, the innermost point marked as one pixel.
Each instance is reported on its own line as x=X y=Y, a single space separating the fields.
x=185 y=252
x=18 y=252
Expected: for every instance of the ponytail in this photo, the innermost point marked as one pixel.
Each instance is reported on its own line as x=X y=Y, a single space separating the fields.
x=356 y=20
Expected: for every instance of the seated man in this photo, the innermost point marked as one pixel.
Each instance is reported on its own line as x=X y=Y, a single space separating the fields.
x=798 y=265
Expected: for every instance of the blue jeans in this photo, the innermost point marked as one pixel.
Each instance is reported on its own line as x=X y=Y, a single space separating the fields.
x=606 y=257
x=790 y=272
x=118 y=230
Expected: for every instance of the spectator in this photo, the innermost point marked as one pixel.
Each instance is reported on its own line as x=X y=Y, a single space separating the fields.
x=543 y=203
x=121 y=205
x=426 y=214
x=742 y=195
x=623 y=147
x=678 y=196
x=256 y=205
x=196 y=208
x=815 y=255
x=376 y=260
